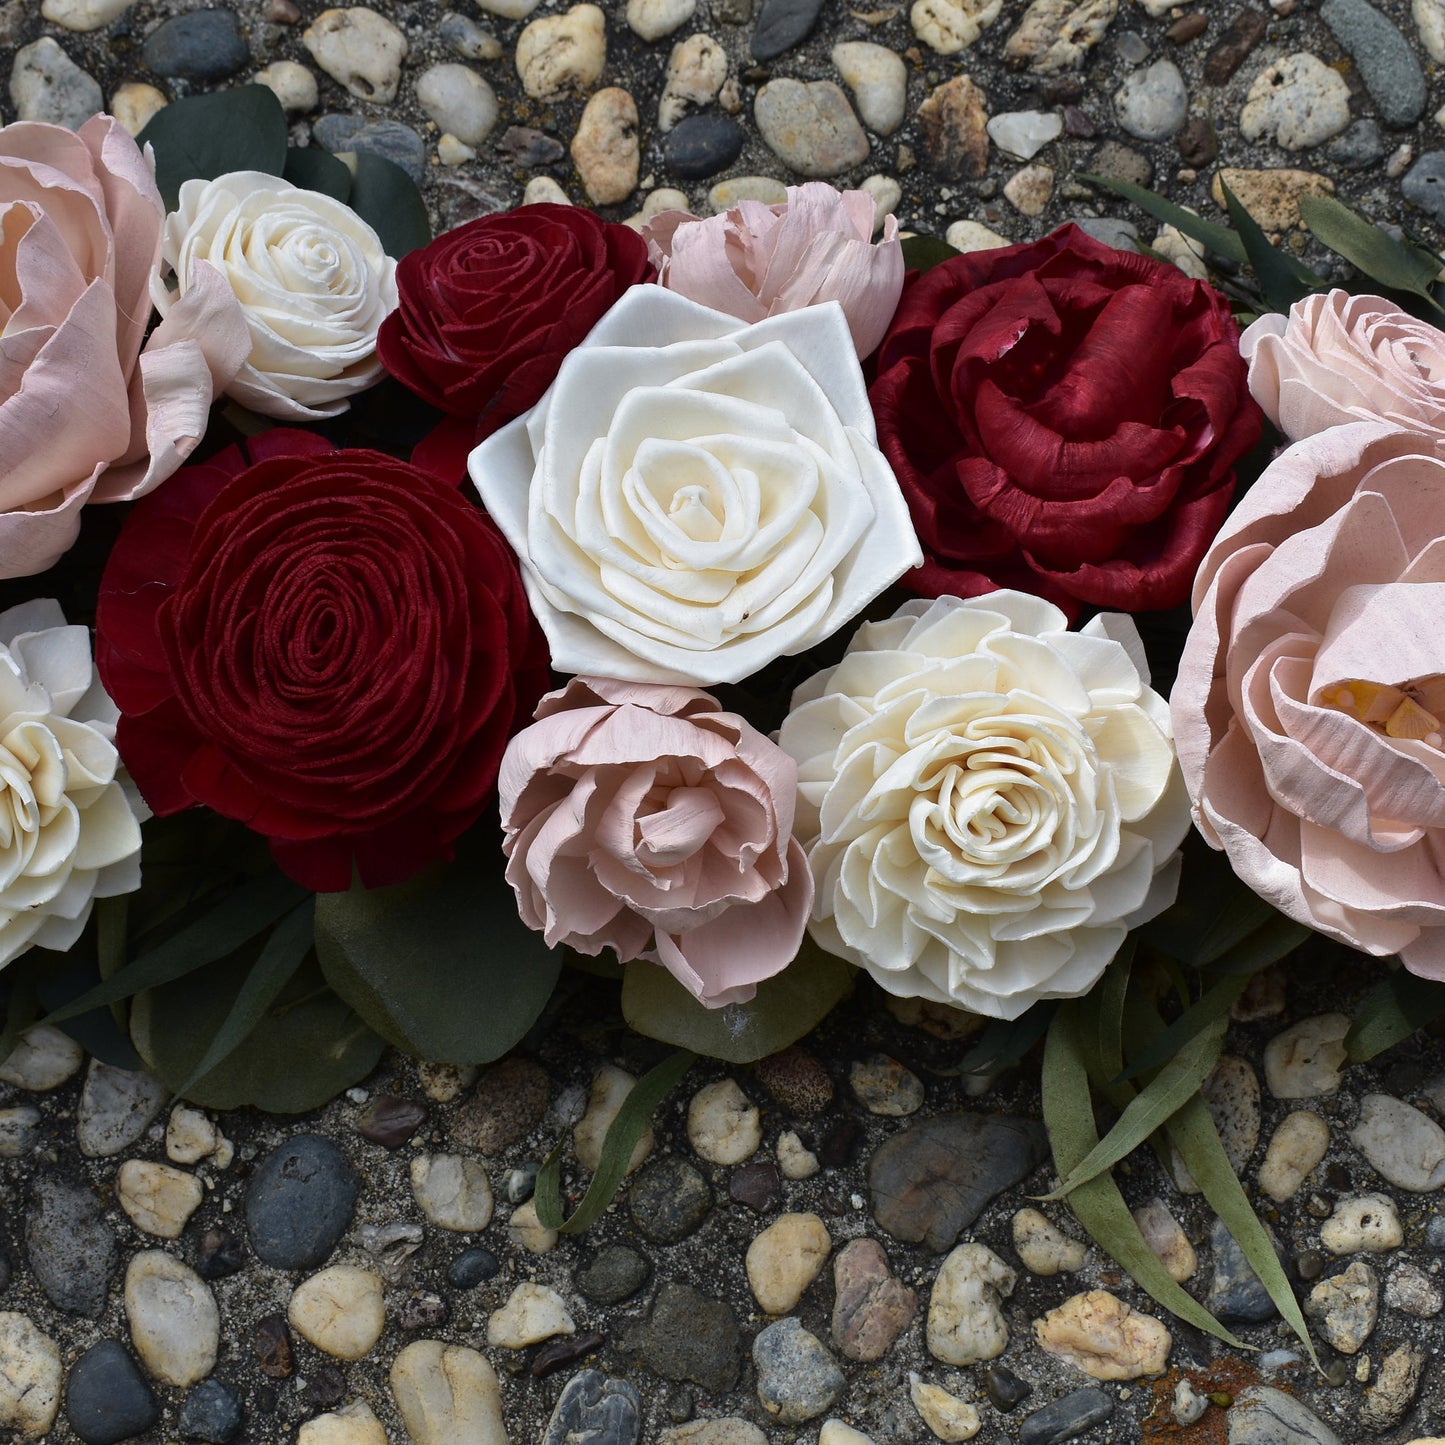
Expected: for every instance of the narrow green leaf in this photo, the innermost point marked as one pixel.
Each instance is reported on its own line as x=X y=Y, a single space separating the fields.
x=1212 y=1008
x=280 y=957
x=1278 y=937
x=317 y=170
x=1219 y=239
x=1396 y=265
x=1113 y=989
x=1398 y=1005
x=923 y=253
x=205 y=136
x=112 y=915
x=1003 y=1043
x=1282 y=277
x=621 y=1139
x=246 y=911
x=386 y=198
x=22 y=1008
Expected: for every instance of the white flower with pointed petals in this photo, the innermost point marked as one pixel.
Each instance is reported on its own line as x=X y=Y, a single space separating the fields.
x=989 y=801
x=695 y=497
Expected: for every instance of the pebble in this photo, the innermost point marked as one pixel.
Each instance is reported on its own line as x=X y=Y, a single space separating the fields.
x=1177 y=248
x=1298 y=102
x=273 y=1349
x=446 y=1394
x=610 y=1085
x=532 y=1313
x=17 y=1130
x=1056 y=35
x=1362 y=1222
x=1236 y=1292
x=1394 y=1389
x=965 y=1321
x=948 y=1417
x=966 y=236
x=43 y=1058
x=190 y=1136
x=870 y=1307
x=84 y=15
x=443 y=1082
x=1303 y=1062
x=116 y=1105
x=614 y=1274
x=1163 y=1234
x=1262 y=1415
x=198 y=45
x=563 y=1352
x=669 y=1201
x=520 y=1183
x=596 y=1409
x=878 y=79
x=157 y=1198
x=353 y=1424
x=522 y=145
x=884 y=1087
x=1424 y=184
x=948 y=26
x=509 y=9
x=723 y=1125
x=221 y=1253
x=389 y=139
x=797 y=1379
x=1152 y=104
x=1402 y=1145
x=729 y=1430
x=785 y=1259
x=453 y=1191
x=1022 y=134
x=688 y=1336
x=1043 y=1249
x=1131 y=46
x=106 y=1398
x=953 y=123
x=654 y=19
x=796 y=1079
x=835 y=1432
x=564 y=52
x=1386 y=63
x=1295 y=1151
x=174 y=1323
x=1346 y=1306
x=1310 y=1055
x=340 y=1310
x=1102 y=1336
x=30 y=1375
x=1187 y=1405
x=1232 y=49
x=459 y=101
x=702 y=145
x=70 y=1246
x=758 y=1185
x=1066 y=1418
x=511 y=1097
x=781 y=24
x=300 y=1202
x=528 y=1232
x=810 y=127
x=1410 y=1289
x=606 y=153
x=391 y=1245
x=887 y=194
x=47 y=85
x=210 y=1413
x=1121 y=234
x=696 y=69
x=360 y=50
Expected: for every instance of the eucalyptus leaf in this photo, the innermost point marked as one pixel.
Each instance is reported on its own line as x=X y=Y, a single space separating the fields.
x=317 y=170
x=386 y=198
x=1283 y=278
x=1211 y=1010
x=1003 y=1043
x=1395 y=265
x=1395 y=1008
x=1219 y=239
x=61 y=977
x=787 y=1006
x=923 y=253
x=205 y=136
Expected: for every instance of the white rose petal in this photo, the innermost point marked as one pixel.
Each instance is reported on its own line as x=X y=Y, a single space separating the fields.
x=694 y=497
x=311 y=277
x=989 y=801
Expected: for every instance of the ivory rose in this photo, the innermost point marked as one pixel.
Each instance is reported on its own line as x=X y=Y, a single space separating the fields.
x=68 y=832
x=989 y=801
x=693 y=498
x=1338 y=358
x=87 y=413
x=312 y=279
x=757 y=260
x=647 y=820
x=1311 y=690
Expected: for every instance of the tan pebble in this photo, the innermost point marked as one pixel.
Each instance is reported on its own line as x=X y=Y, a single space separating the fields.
x=135 y=104
x=1043 y=1249
x=565 y=52
x=605 y=147
x=359 y=49
x=353 y=1424
x=795 y=1159
x=157 y=1198
x=1162 y=1233
x=696 y=70
x=1297 y=1147
x=293 y=85
x=948 y=1417
x=543 y=190
x=340 y=1310
x=949 y=26
x=969 y=236
x=723 y=1126
x=953 y=124
x=1100 y=1335
x=606 y=1095
x=447 y=1394
x=1272 y=197
x=30 y=1375
x=528 y=1232
x=532 y=1313
x=1030 y=189
x=785 y=1259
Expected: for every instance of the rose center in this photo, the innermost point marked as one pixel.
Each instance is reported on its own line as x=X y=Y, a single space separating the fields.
x=694 y=511
x=1410 y=713
x=683 y=823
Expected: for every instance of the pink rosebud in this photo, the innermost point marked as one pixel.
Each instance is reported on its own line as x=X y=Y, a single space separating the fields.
x=755 y=260
x=644 y=819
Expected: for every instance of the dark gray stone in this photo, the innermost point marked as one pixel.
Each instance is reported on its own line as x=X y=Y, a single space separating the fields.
x=390 y=1121
x=688 y=1336
x=300 y=1202
x=106 y=1399
x=1424 y=184
x=221 y=1254
x=613 y=1274
x=1235 y=1292
x=199 y=45
x=933 y=1180
x=1066 y=1418
x=389 y=139
x=1005 y=1390
x=70 y=1246
x=210 y=1413
x=669 y=1201
x=701 y=146
x=782 y=24
x=595 y=1410
x=798 y=1379
x=473 y=1267
x=1383 y=56
x=525 y=145
x=1264 y=1416
x=1359 y=147
x=1435 y=1229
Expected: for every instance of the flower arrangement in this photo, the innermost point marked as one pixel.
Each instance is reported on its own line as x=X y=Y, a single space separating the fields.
x=730 y=608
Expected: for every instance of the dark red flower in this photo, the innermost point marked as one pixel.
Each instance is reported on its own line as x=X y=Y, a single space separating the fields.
x=1063 y=418
x=331 y=647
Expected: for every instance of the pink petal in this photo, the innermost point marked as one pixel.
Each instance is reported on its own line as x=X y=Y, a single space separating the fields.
x=32 y=541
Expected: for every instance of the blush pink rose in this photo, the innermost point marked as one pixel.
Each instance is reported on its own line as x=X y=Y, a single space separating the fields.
x=1338 y=358
x=756 y=260
x=646 y=820
x=1309 y=704
x=86 y=412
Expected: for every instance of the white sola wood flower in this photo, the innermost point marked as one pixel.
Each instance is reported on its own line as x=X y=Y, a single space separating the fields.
x=989 y=801
x=695 y=497
x=68 y=832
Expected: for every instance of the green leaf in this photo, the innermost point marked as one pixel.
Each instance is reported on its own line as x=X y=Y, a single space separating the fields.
x=1002 y=1044
x=306 y=1049
x=111 y=918
x=243 y=913
x=1219 y=239
x=281 y=955
x=441 y=966
x=22 y=1007
x=1112 y=990
x=1098 y=1205
x=205 y=136
x=61 y=977
x=1396 y=265
x=1212 y=1009
x=317 y=170
x=621 y=1139
x=923 y=253
x=383 y=195
x=1398 y=1005
x=1282 y=277
x=787 y=1006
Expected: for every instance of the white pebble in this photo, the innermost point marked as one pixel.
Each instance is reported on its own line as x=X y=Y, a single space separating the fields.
x=135 y=104
x=696 y=69
x=453 y=1191
x=1022 y=134
x=795 y=1159
x=1043 y=1249
x=292 y=84
x=174 y=1323
x=722 y=1126
x=543 y=190
x=533 y=1313
x=1298 y=1145
x=886 y=193
x=607 y=1094
x=565 y=52
x=1362 y=1222
x=360 y=49
x=43 y=1059
x=30 y=1373
x=84 y=15
x=1304 y=1062
x=457 y=100
x=948 y=1417
x=878 y=79
x=969 y=236
x=965 y=1323
x=652 y=19
x=340 y=1310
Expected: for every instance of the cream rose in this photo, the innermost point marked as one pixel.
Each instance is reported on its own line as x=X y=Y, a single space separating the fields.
x=989 y=801
x=312 y=279
x=68 y=832
x=694 y=498
x=1338 y=358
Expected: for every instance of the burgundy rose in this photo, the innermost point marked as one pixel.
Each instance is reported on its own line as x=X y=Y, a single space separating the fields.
x=331 y=647
x=1064 y=418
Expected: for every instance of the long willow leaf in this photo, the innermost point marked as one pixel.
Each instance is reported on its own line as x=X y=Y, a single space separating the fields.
x=1219 y=239
x=1391 y=1011
x=1213 y=1007
x=1098 y=1205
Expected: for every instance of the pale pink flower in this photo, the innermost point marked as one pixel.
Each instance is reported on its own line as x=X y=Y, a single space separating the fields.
x=646 y=820
x=1338 y=358
x=755 y=260
x=1309 y=703
x=86 y=414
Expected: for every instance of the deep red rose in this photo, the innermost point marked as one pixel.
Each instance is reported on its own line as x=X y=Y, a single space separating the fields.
x=1063 y=418
x=331 y=647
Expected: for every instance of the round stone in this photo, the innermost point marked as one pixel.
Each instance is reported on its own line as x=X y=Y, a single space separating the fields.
x=669 y=1201
x=157 y=1198
x=106 y=1398
x=70 y=1247
x=473 y=1267
x=446 y=1394
x=948 y=1417
x=47 y=85
x=605 y=148
x=353 y=1424
x=883 y=1086
x=211 y=1413
x=198 y=45
x=1405 y=1147
x=359 y=49
x=1152 y=104
x=453 y=1191
x=696 y=70
x=605 y=1097
x=785 y=1259
x=18 y=1126
x=965 y=1322
x=797 y=1379
x=473 y=42
x=1042 y=1248
x=1298 y=101
x=84 y=15
x=190 y=1135
x=1295 y=1150
x=723 y=1126
x=702 y=145
x=1346 y=1306
x=878 y=79
x=810 y=127
x=870 y=1307
x=511 y=1097
x=389 y=139
x=116 y=1107
x=565 y=52
x=300 y=1202
x=43 y=1058
x=1304 y=1062
x=174 y=1323
x=653 y=19
x=1363 y=1222
x=459 y=101
x=340 y=1310
x=1386 y=63
x=29 y=1376
x=614 y=1274
x=781 y=24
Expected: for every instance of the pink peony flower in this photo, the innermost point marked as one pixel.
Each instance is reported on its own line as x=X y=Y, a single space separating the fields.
x=1309 y=704
x=755 y=261
x=86 y=414
x=1339 y=358
x=644 y=819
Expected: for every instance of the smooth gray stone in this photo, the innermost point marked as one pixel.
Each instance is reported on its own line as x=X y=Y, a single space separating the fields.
x=1066 y=1418
x=595 y=1410
x=199 y=45
x=782 y=24
x=389 y=139
x=106 y=1398
x=1264 y=1416
x=300 y=1202
x=1424 y=184
x=70 y=1246
x=1383 y=56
